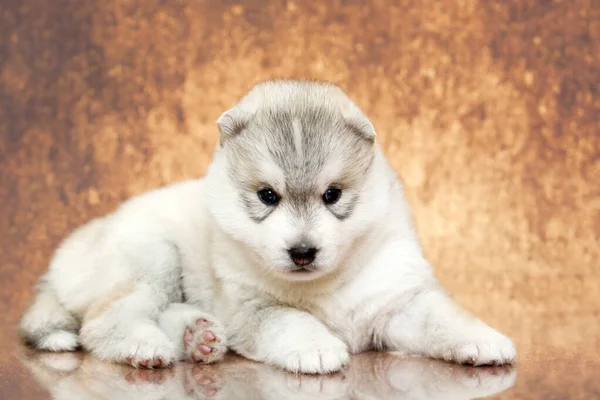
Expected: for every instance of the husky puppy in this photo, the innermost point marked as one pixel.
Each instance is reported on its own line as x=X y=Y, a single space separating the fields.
x=296 y=249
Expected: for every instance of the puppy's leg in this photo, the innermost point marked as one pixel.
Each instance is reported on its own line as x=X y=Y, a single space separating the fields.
x=287 y=338
x=47 y=325
x=123 y=327
x=432 y=324
x=198 y=336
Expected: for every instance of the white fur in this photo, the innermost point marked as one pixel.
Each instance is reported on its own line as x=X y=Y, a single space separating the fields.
x=298 y=136
x=59 y=341
x=374 y=288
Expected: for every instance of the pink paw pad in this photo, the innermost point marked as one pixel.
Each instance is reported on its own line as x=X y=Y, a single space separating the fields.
x=156 y=362
x=203 y=343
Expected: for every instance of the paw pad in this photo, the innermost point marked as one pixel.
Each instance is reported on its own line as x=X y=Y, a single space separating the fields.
x=156 y=362
x=203 y=342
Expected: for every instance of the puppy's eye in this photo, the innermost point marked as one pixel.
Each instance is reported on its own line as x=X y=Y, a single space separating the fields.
x=332 y=195
x=268 y=196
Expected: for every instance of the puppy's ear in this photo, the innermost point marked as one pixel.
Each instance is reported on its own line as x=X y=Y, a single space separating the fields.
x=232 y=122
x=358 y=123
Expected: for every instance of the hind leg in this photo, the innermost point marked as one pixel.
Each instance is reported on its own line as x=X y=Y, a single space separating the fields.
x=47 y=325
x=123 y=328
x=122 y=324
x=198 y=336
x=434 y=325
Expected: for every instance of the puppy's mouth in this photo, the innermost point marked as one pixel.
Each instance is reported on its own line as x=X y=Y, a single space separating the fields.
x=302 y=269
x=303 y=272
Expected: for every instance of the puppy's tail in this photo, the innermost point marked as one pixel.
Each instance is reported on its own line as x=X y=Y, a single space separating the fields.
x=47 y=325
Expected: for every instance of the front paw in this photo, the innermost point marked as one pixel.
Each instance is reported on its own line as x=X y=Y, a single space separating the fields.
x=320 y=353
x=204 y=341
x=483 y=348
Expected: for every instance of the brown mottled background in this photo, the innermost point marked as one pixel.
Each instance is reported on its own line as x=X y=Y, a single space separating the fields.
x=489 y=110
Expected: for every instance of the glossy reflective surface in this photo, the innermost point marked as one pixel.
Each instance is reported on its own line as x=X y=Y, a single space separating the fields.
x=29 y=375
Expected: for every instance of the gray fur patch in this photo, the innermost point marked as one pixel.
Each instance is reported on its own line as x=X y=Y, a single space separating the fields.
x=272 y=137
x=344 y=210
x=257 y=211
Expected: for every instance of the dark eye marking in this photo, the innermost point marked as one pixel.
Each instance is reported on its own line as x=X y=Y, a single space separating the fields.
x=340 y=206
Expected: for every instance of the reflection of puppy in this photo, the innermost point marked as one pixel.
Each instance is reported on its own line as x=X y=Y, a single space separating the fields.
x=369 y=376
x=90 y=378
x=299 y=240
x=389 y=376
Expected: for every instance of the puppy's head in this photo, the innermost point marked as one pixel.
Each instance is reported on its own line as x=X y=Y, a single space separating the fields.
x=293 y=163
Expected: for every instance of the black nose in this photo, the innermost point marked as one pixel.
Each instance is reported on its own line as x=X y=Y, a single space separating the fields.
x=302 y=255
